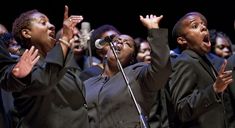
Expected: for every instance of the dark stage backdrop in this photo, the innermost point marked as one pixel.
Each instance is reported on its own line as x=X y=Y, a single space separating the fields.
x=124 y=14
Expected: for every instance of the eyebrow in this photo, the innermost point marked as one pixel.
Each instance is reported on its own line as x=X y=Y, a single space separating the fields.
x=40 y=18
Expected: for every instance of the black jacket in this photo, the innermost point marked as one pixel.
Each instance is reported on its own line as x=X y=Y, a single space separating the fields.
x=53 y=94
x=195 y=102
x=109 y=102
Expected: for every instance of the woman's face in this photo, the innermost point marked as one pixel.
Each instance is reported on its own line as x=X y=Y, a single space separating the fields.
x=144 y=53
x=102 y=52
x=14 y=47
x=42 y=32
x=222 y=47
x=125 y=48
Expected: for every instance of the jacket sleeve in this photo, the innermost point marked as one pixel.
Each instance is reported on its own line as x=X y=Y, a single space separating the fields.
x=44 y=76
x=188 y=99
x=156 y=74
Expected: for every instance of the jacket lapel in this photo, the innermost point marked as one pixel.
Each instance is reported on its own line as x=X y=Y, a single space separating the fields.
x=204 y=62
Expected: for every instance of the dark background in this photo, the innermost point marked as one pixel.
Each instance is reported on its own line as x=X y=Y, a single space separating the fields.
x=124 y=14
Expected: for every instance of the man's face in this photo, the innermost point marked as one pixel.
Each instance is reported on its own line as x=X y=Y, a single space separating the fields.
x=195 y=34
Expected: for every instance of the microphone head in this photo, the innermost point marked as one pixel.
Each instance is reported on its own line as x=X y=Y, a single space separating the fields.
x=98 y=44
x=85 y=27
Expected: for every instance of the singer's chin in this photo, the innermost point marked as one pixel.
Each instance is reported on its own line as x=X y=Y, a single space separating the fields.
x=53 y=41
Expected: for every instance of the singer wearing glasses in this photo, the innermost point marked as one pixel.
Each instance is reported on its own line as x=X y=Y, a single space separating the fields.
x=109 y=101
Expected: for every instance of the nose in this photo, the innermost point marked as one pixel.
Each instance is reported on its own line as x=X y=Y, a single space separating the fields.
x=226 y=49
x=147 y=52
x=203 y=27
x=118 y=44
x=51 y=26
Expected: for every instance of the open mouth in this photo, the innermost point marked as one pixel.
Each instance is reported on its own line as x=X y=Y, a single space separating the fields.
x=206 y=39
x=117 y=49
x=52 y=35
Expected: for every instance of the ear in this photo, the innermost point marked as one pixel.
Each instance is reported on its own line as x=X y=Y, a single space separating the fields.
x=181 y=41
x=26 y=33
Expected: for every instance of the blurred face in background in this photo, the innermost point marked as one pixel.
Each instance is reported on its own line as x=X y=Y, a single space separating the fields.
x=76 y=44
x=222 y=47
x=3 y=29
x=143 y=54
x=14 y=47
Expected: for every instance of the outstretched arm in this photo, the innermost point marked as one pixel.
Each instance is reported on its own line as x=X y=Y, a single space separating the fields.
x=157 y=73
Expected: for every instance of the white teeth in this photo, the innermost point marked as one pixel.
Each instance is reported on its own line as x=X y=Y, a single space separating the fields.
x=52 y=35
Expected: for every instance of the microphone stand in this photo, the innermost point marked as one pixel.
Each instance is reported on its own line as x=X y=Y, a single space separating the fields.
x=142 y=118
x=90 y=53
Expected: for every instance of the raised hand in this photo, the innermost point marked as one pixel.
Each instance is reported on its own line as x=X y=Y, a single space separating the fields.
x=151 y=21
x=67 y=31
x=69 y=24
x=26 y=63
x=223 y=79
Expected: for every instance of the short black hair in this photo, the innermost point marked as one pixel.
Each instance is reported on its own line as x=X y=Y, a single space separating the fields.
x=178 y=27
x=20 y=23
x=214 y=34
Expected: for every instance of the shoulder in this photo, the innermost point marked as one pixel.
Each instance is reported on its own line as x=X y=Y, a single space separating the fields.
x=184 y=60
x=92 y=80
x=231 y=61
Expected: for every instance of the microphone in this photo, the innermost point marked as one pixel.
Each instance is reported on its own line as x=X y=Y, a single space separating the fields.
x=100 y=43
x=85 y=35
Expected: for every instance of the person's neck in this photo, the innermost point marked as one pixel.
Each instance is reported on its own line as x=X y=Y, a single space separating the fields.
x=110 y=70
x=41 y=54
